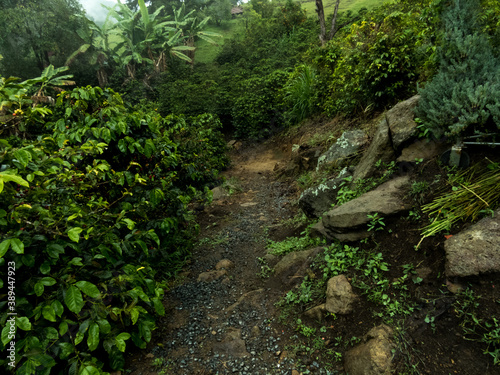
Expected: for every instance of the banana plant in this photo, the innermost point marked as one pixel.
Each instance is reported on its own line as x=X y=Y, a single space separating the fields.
x=50 y=77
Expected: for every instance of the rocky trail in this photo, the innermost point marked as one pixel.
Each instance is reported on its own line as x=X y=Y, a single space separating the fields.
x=221 y=319
x=400 y=311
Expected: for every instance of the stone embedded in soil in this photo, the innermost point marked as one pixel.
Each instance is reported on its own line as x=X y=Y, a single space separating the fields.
x=475 y=250
x=232 y=344
x=401 y=121
x=317 y=312
x=373 y=356
x=252 y=298
x=420 y=149
x=224 y=264
x=219 y=193
x=346 y=146
x=352 y=216
x=380 y=149
x=211 y=275
x=339 y=295
x=317 y=200
x=291 y=262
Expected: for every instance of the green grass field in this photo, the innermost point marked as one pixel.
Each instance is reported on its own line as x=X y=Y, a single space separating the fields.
x=329 y=5
x=206 y=52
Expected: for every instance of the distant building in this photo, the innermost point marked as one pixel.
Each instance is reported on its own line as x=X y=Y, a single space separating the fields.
x=236 y=11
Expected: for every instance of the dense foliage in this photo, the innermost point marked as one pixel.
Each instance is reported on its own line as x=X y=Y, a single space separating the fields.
x=465 y=93
x=95 y=191
x=88 y=207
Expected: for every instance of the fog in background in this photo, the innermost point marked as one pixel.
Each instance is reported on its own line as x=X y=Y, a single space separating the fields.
x=94 y=9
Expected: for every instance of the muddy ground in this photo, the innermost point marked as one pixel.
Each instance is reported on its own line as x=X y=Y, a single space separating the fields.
x=232 y=325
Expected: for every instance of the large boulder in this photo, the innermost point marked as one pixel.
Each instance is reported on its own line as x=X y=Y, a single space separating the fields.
x=352 y=217
x=346 y=147
x=315 y=201
x=339 y=295
x=396 y=127
x=476 y=250
x=380 y=149
x=400 y=119
x=373 y=356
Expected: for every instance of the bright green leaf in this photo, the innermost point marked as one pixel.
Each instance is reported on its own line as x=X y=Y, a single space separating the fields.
x=93 y=337
x=88 y=288
x=74 y=233
x=74 y=299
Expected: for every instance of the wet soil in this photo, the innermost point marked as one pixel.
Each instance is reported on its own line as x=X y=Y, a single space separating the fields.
x=232 y=325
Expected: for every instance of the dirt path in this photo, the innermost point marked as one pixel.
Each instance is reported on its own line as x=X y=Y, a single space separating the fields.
x=228 y=325
x=224 y=320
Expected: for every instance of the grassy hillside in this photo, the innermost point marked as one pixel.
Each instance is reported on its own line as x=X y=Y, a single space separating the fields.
x=345 y=5
x=206 y=52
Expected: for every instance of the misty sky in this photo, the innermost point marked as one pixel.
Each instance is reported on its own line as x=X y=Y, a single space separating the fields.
x=95 y=10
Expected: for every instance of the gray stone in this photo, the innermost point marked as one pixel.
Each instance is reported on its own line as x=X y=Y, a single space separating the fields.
x=421 y=149
x=294 y=260
x=318 y=230
x=476 y=250
x=373 y=356
x=380 y=149
x=352 y=216
x=315 y=201
x=346 y=147
x=339 y=295
x=401 y=121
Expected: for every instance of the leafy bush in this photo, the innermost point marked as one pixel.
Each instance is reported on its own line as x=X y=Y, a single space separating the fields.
x=465 y=94
x=86 y=210
x=379 y=60
x=259 y=108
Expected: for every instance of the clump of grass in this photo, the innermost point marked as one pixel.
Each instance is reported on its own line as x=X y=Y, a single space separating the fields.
x=473 y=191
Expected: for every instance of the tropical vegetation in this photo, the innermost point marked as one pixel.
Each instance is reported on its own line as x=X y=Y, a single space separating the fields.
x=121 y=134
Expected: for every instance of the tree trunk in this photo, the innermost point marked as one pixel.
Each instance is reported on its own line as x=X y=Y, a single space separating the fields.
x=321 y=16
x=333 y=29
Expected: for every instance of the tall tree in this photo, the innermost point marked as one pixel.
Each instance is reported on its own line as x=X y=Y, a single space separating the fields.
x=36 y=34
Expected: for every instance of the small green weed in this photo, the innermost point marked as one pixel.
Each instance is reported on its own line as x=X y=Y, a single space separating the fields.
x=305 y=330
x=294 y=244
x=475 y=328
x=418 y=191
x=376 y=222
x=304 y=180
x=265 y=270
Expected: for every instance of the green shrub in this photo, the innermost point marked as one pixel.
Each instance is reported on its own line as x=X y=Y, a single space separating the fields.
x=94 y=214
x=259 y=108
x=378 y=60
x=465 y=94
